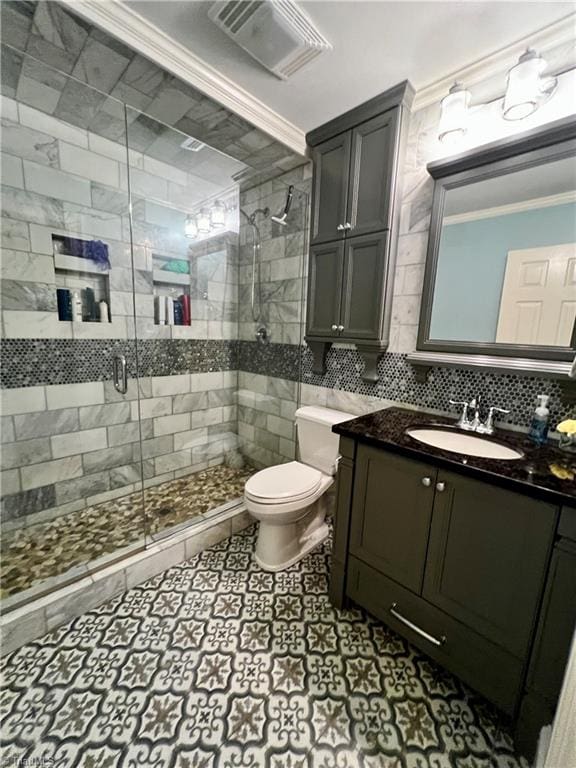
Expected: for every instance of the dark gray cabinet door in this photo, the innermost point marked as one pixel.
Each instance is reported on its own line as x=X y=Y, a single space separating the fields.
x=325 y=269
x=372 y=173
x=556 y=624
x=487 y=558
x=330 y=186
x=364 y=285
x=391 y=512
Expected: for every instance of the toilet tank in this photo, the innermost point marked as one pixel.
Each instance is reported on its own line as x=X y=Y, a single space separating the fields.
x=317 y=443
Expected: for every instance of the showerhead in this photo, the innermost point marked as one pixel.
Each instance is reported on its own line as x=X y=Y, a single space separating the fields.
x=281 y=218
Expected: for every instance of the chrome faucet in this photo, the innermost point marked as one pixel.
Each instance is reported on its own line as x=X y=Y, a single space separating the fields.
x=475 y=424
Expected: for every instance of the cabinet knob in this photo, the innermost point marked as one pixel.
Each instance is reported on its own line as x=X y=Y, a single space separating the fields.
x=340 y=328
x=427 y=481
x=347 y=225
x=334 y=327
x=440 y=487
x=340 y=227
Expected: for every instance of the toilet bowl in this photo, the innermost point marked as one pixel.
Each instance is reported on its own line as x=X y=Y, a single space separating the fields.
x=290 y=500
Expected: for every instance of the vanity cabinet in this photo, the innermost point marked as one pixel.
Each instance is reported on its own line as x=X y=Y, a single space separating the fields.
x=456 y=565
x=355 y=214
x=556 y=626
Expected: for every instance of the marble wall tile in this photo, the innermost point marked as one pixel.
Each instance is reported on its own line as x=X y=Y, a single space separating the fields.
x=81 y=487
x=51 y=472
x=12 y=173
x=15 y=234
x=34 y=325
x=46 y=423
x=157 y=446
x=19 y=266
x=30 y=502
x=37 y=209
x=79 y=105
x=25 y=452
x=7 y=434
x=154 y=406
x=186 y=403
x=9 y=482
x=106 y=458
x=120 y=434
x=81 y=441
x=102 y=415
x=87 y=165
x=62 y=29
x=40 y=121
x=29 y=144
x=172 y=461
x=99 y=65
x=37 y=95
x=10 y=68
x=74 y=395
x=22 y=400
x=35 y=297
x=170 y=385
x=56 y=184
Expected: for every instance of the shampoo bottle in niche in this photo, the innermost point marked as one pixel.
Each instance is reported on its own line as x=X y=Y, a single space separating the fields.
x=76 y=307
x=540 y=419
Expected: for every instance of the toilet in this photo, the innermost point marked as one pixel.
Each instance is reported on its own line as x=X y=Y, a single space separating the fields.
x=289 y=500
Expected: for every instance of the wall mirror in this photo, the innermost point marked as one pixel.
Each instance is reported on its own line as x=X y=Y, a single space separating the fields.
x=500 y=275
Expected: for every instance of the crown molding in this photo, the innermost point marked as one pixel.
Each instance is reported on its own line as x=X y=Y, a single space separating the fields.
x=145 y=38
x=562 y=198
x=559 y=33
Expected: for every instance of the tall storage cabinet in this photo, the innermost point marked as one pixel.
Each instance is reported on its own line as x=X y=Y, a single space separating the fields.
x=355 y=213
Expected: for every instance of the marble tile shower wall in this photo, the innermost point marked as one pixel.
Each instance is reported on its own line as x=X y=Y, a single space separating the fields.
x=267 y=384
x=70 y=446
x=68 y=443
x=57 y=37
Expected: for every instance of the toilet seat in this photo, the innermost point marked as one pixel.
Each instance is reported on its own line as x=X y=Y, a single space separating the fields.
x=284 y=482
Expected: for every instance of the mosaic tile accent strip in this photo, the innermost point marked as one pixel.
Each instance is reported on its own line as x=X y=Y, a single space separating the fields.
x=215 y=663
x=281 y=361
x=35 y=362
x=44 y=551
x=397 y=381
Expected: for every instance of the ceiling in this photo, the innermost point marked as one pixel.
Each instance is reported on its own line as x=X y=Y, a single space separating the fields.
x=375 y=46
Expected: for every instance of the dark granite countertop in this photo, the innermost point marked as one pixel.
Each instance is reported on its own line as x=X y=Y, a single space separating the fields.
x=543 y=472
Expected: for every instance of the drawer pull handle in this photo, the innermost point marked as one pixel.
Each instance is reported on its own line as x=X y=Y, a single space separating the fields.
x=414 y=628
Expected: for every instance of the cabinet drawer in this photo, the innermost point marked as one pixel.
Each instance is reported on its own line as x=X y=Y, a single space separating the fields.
x=478 y=662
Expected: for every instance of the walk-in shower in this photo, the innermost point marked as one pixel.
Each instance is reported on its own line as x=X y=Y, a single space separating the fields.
x=119 y=243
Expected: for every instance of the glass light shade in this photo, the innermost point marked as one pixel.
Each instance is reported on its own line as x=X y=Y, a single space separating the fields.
x=454 y=113
x=203 y=221
x=190 y=227
x=526 y=87
x=218 y=215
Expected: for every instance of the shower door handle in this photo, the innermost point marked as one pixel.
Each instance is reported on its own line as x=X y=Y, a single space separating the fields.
x=120 y=373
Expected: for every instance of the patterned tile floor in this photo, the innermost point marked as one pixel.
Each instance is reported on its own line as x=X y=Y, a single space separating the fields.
x=218 y=664
x=38 y=553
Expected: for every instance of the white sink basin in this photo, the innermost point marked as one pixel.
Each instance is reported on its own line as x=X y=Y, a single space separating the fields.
x=460 y=442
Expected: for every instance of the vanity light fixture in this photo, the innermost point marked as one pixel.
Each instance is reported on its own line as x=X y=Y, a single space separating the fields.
x=527 y=88
x=203 y=221
x=191 y=228
x=218 y=215
x=454 y=114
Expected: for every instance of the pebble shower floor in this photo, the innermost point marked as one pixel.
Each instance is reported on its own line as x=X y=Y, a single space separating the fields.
x=38 y=553
x=218 y=664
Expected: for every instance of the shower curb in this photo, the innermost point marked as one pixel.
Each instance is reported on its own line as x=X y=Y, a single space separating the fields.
x=30 y=621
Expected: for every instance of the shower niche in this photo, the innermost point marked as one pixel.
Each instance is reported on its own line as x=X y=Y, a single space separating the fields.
x=171 y=280
x=82 y=270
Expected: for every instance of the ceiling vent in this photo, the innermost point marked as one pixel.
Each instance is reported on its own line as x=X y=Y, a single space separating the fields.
x=192 y=144
x=277 y=33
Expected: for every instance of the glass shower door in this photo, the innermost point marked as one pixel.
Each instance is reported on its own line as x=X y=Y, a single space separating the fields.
x=71 y=453
x=185 y=222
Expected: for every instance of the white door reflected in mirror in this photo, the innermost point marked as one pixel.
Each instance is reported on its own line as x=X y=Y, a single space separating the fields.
x=538 y=302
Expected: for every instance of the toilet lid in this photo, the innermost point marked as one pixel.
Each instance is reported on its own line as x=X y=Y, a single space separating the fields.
x=284 y=481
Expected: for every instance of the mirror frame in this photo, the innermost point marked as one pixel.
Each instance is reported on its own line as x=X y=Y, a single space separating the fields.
x=554 y=141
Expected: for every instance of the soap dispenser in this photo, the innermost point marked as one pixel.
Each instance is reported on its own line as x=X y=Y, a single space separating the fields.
x=539 y=423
